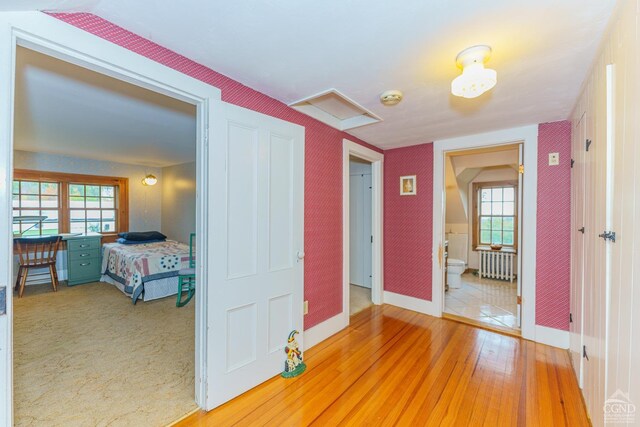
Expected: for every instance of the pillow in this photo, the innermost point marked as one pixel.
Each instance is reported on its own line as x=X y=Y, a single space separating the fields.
x=142 y=235
x=138 y=242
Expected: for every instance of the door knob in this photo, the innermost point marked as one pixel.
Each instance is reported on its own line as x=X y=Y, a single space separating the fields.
x=300 y=254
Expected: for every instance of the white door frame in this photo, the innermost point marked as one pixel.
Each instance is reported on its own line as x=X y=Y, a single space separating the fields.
x=50 y=36
x=528 y=136
x=350 y=148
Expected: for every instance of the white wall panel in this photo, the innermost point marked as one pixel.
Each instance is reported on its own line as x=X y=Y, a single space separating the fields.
x=611 y=328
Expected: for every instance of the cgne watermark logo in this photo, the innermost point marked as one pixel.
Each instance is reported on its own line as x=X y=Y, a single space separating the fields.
x=619 y=409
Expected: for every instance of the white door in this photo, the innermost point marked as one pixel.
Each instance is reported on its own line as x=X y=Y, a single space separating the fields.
x=367 y=231
x=256 y=298
x=356 y=200
x=519 y=258
x=577 y=249
x=360 y=231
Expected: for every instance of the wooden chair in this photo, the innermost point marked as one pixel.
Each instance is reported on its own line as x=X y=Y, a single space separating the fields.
x=187 y=276
x=36 y=253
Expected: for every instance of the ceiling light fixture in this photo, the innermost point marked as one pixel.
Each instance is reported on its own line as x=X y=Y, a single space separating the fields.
x=475 y=79
x=149 y=180
x=391 y=97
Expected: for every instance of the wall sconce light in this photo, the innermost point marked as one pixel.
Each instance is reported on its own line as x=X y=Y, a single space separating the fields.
x=475 y=79
x=149 y=180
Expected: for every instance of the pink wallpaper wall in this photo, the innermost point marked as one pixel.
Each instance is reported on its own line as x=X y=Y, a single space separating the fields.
x=553 y=252
x=323 y=159
x=408 y=222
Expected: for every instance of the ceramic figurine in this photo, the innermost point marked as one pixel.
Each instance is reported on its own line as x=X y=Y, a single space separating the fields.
x=293 y=366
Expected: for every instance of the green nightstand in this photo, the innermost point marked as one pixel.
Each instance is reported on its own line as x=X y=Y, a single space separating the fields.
x=84 y=258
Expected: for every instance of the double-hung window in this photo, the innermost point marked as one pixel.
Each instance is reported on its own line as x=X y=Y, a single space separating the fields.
x=71 y=203
x=496 y=216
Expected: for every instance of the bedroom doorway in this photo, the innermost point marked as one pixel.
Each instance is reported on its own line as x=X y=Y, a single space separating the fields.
x=123 y=204
x=481 y=249
x=45 y=35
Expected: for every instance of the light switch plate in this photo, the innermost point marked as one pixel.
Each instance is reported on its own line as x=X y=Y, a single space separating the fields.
x=554 y=159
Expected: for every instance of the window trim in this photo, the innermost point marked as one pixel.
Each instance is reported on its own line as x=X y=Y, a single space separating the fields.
x=476 y=210
x=71 y=178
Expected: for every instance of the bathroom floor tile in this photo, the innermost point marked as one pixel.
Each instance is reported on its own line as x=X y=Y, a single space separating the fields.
x=485 y=300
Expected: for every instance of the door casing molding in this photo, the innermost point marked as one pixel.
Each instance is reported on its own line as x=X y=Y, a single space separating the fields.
x=528 y=136
x=47 y=35
x=350 y=148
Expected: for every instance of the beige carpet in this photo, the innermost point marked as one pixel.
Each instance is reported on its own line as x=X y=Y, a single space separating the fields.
x=359 y=299
x=86 y=356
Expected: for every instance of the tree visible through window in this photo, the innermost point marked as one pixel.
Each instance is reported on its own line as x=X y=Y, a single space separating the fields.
x=36 y=199
x=496 y=219
x=72 y=203
x=92 y=208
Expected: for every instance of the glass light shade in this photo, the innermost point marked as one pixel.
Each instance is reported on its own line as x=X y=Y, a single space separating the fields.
x=150 y=180
x=474 y=81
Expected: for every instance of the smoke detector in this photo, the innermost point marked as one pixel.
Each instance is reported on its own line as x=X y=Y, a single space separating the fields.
x=391 y=97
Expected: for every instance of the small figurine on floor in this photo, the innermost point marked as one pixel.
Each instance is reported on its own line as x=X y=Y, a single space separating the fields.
x=293 y=366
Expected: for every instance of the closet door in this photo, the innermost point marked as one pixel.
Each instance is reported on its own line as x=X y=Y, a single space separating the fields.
x=356 y=203
x=577 y=247
x=367 y=243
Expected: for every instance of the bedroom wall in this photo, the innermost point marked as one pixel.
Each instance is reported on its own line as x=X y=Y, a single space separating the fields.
x=144 y=202
x=323 y=154
x=179 y=201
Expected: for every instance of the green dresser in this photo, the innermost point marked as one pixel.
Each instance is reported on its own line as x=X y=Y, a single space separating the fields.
x=84 y=258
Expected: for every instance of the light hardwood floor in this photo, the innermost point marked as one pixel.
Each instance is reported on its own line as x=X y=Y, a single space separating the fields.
x=397 y=367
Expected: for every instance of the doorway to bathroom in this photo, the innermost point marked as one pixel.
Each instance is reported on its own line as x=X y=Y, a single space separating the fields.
x=360 y=234
x=483 y=199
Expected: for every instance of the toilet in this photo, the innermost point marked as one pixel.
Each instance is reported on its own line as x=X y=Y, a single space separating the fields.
x=455 y=268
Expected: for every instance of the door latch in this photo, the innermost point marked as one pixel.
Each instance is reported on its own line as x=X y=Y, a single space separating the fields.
x=608 y=235
x=581 y=229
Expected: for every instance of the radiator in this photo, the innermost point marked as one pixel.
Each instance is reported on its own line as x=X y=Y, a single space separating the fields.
x=496 y=264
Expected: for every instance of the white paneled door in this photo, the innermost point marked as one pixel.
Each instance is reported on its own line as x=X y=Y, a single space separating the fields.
x=360 y=231
x=257 y=175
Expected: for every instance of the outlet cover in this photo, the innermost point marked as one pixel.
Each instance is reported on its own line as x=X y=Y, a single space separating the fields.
x=305 y=307
x=554 y=159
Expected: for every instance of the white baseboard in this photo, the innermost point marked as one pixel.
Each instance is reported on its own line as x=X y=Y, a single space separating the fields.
x=552 y=337
x=324 y=330
x=411 y=303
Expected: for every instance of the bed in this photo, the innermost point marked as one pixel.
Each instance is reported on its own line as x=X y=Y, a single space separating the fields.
x=144 y=271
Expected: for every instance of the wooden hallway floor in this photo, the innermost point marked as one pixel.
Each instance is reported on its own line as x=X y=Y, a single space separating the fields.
x=397 y=367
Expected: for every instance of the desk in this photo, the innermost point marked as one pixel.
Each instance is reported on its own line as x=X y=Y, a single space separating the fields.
x=84 y=257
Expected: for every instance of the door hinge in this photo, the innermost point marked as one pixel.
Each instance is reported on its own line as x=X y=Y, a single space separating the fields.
x=581 y=229
x=608 y=235
x=588 y=144
x=572 y=163
x=570 y=318
x=371 y=239
x=584 y=352
x=521 y=169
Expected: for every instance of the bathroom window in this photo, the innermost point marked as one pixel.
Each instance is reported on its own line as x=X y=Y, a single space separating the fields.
x=496 y=217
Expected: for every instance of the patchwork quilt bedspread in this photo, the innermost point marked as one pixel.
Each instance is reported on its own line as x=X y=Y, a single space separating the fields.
x=134 y=265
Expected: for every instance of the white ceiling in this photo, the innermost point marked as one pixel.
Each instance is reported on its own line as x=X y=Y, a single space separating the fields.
x=66 y=109
x=291 y=49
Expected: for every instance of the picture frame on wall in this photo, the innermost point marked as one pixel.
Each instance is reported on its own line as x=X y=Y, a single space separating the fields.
x=408 y=185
